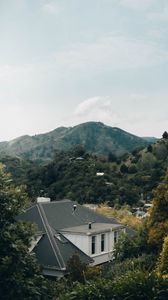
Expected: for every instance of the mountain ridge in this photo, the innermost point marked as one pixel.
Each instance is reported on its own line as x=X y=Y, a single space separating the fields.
x=95 y=137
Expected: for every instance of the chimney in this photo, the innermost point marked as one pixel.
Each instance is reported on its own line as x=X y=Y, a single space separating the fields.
x=74 y=207
x=90 y=225
x=43 y=200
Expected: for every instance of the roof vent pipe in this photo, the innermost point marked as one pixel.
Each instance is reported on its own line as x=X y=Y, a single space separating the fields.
x=90 y=225
x=74 y=207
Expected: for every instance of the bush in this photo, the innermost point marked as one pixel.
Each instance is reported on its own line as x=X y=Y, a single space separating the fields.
x=133 y=285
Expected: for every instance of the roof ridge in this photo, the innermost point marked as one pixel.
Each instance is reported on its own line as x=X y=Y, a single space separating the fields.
x=57 y=201
x=50 y=237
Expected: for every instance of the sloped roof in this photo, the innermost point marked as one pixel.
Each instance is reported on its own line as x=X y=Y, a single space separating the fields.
x=53 y=250
x=47 y=258
x=61 y=214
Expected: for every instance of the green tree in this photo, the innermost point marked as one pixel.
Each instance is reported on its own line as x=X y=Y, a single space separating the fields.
x=149 y=148
x=76 y=268
x=162 y=267
x=124 y=168
x=112 y=157
x=158 y=222
x=165 y=135
x=19 y=273
x=136 y=284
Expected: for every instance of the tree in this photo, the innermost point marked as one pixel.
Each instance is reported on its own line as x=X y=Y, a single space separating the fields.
x=149 y=148
x=78 y=150
x=162 y=267
x=165 y=135
x=135 y=284
x=19 y=273
x=76 y=268
x=124 y=168
x=112 y=157
x=158 y=222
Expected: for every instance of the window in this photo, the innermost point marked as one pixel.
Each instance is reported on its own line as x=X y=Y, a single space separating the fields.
x=115 y=237
x=93 y=245
x=102 y=242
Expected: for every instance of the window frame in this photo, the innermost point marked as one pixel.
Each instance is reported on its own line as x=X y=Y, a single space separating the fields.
x=103 y=239
x=93 y=244
x=115 y=237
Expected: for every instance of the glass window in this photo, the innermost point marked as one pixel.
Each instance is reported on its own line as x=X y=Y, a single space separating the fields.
x=93 y=245
x=115 y=237
x=102 y=242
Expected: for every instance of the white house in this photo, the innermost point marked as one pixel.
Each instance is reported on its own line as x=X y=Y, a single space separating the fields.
x=66 y=228
x=97 y=240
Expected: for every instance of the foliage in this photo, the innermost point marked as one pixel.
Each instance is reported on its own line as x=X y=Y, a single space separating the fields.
x=144 y=262
x=162 y=265
x=132 y=246
x=124 y=168
x=132 y=285
x=72 y=174
x=139 y=285
x=76 y=178
x=19 y=273
x=95 y=136
x=92 y=273
x=123 y=215
x=158 y=222
x=76 y=269
x=165 y=135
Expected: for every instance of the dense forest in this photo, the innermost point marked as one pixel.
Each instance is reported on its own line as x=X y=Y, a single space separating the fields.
x=87 y=178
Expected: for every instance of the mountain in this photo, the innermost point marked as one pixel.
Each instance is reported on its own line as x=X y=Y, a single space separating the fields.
x=150 y=139
x=95 y=137
x=94 y=179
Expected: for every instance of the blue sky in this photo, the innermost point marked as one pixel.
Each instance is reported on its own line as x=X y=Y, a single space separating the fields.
x=65 y=62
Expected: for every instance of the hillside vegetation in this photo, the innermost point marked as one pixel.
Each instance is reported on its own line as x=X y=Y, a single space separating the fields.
x=95 y=137
x=89 y=178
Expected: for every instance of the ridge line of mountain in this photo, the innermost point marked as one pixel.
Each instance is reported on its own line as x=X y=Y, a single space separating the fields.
x=95 y=137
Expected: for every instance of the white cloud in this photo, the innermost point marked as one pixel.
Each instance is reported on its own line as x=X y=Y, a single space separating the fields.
x=51 y=8
x=117 y=113
x=96 y=109
x=90 y=104
x=140 y=5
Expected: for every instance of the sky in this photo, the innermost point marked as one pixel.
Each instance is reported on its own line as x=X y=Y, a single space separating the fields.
x=66 y=62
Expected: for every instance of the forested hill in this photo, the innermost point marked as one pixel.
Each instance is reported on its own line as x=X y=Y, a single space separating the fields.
x=85 y=177
x=95 y=137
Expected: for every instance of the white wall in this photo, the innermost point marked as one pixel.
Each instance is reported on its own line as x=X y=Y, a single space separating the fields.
x=81 y=241
x=84 y=242
x=101 y=257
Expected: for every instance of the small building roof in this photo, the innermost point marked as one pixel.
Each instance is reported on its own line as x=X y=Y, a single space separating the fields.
x=95 y=228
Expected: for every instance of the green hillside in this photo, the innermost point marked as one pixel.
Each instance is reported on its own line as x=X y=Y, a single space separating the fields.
x=95 y=137
x=85 y=177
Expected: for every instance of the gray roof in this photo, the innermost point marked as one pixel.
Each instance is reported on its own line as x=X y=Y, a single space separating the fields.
x=95 y=228
x=61 y=214
x=53 y=250
x=65 y=249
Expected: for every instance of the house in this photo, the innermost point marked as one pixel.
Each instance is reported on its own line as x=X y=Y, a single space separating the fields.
x=66 y=228
x=100 y=174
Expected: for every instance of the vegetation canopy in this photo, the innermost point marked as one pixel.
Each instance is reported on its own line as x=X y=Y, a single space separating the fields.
x=19 y=272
